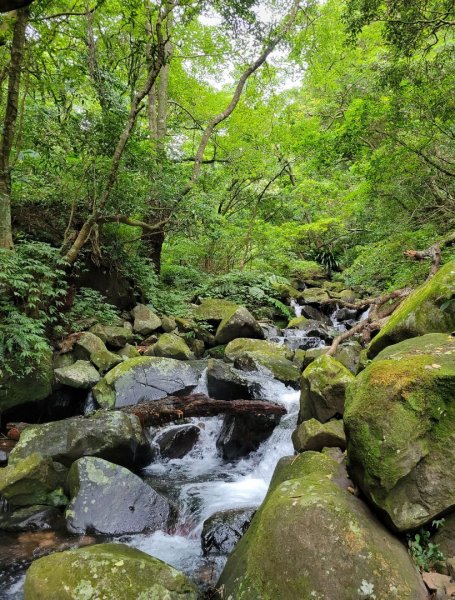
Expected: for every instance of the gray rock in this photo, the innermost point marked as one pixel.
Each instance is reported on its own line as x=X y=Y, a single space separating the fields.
x=133 y=506
x=239 y=323
x=145 y=320
x=114 y=435
x=80 y=375
x=113 y=337
x=224 y=383
x=176 y=441
x=32 y=518
x=90 y=347
x=313 y=435
x=222 y=531
x=242 y=434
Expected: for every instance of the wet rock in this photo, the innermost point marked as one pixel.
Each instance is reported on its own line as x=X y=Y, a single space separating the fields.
x=238 y=323
x=298 y=322
x=114 y=435
x=91 y=347
x=323 y=388
x=145 y=320
x=314 y=314
x=32 y=518
x=105 y=571
x=313 y=435
x=144 y=378
x=33 y=480
x=35 y=386
x=311 y=538
x=400 y=419
x=222 y=531
x=177 y=441
x=113 y=337
x=80 y=375
x=430 y=308
x=170 y=345
x=224 y=383
x=242 y=434
x=134 y=506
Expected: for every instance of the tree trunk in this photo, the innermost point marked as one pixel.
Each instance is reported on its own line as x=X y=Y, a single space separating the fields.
x=9 y=127
x=154 y=245
x=159 y=412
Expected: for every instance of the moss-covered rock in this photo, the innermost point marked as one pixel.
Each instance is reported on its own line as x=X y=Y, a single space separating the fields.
x=134 y=506
x=144 y=378
x=313 y=435
x=33 y=480
x=105 y=571
x=246 y=353
x=114 y=435
x=298 y=323
x=429 y=309
x=35 y=386
x=213 y=310
x=312 y=539
x=170 y=345
x=113 y=336
x=90 y=347
x=238 y=323
x=168 y=324
x=80 y=375
x=400 y=421
x=145 y=320
x=314 y=295
x=312 y=354
x=127 y=352
x=348 y=354
x=323 y=388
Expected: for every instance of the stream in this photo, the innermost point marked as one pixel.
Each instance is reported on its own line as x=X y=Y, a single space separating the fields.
x=200 y=484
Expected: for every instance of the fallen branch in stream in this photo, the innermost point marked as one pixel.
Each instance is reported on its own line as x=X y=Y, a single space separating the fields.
x=159 y=412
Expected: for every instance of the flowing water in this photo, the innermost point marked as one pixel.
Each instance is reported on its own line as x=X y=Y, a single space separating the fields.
x=200 y=484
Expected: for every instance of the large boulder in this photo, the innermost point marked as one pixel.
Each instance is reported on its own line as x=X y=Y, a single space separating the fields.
x=225 y=383
x=246 y=353
x=114 y=436
x=323 y=388
x=80 y=375
x=400 y=424
x=429 y=309
x=170 y=345
x=144 y=378
x=238 y=323
x=145 y=320
x=33 y=480
x=312 y=539
x=105 y=571
x=32 y=387
x=313 y=435
x=314 y=295
x=134 y=506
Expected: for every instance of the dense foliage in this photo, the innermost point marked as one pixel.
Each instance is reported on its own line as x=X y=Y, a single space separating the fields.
x=338 y=150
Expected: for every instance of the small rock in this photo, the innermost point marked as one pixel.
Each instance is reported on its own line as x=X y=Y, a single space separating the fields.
x=170 y=345
x=114 y=337
x=145 y=320
x=436 y=581
x=222 y=531
x=32 y=518
x=177 y=441
x=313 y=435
x=168 y=324
x=80 y=375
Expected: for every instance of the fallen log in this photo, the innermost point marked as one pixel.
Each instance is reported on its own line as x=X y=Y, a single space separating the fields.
x=159 y=412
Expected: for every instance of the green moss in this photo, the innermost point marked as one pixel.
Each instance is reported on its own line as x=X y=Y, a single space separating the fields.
x=213 y=309
x=172 y=346
x=298 y=323
x=105 y=571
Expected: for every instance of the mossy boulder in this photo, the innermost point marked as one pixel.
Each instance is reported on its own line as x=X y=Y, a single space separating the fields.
x=145 y=320
x=312 y=354
x=248 y=354
x=298 y=323
x=90 y=347
x=80 y=375
x=313 y=435
x=348 y=354
x=144 y=378
x=168 y=324
x=400 y=423
x=323 y=388
x=134 y=506
x=33 y=480
x=312 y=539
x=32 y=387
x=113 y=336
x=170 y=345
x=314 y=295
x=105 y=571
x=114 y=435
x=128 y=351
x=429 y=309
x=213 y=310
x=238 y=323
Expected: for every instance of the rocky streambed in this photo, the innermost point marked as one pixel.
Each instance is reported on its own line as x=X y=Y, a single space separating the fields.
x=239 y=506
